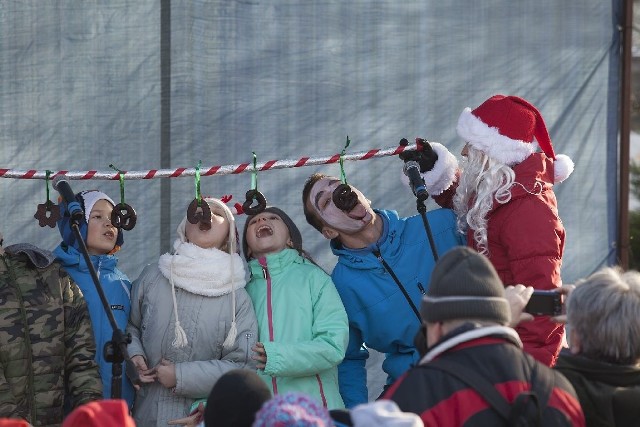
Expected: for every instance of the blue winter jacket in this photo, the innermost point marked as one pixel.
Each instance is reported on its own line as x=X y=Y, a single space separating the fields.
x=380 y=316
x=117 y=289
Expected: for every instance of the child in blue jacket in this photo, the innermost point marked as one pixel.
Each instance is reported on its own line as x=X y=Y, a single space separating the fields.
x=103 y=240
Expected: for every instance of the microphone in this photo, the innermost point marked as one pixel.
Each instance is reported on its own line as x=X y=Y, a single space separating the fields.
x=412 y=170
x=62 y=186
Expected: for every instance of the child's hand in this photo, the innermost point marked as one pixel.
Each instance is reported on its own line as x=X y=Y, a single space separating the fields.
x=192 y=420
x=145 y=374
x=261 y=355
x=166 y=373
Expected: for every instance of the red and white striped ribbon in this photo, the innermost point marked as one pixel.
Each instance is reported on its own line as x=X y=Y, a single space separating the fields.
x=205 y=170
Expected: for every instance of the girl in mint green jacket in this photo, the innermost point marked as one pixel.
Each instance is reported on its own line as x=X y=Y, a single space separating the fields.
x=302 y=324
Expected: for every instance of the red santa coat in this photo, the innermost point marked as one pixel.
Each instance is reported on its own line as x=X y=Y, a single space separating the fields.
x=526 y=242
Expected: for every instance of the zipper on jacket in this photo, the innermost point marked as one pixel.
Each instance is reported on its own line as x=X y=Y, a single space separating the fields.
x=247 y=336
x=324 y=399
x=421 y=288
x=267 y=277
x=387 y=267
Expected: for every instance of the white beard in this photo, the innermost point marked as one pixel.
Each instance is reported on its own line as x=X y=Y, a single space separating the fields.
x=482 y=181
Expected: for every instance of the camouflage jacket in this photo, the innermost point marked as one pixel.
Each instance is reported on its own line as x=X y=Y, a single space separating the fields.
x=47 y=349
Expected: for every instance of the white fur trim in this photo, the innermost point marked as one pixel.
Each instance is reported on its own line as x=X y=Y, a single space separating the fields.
x=443 y=173
x=562 y=168
x=490 y=141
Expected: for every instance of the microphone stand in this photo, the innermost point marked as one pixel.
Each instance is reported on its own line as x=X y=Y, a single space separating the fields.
x=115 y=351
x=421 y=197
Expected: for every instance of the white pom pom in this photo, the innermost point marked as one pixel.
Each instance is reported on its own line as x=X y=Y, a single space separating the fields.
x=562 y=168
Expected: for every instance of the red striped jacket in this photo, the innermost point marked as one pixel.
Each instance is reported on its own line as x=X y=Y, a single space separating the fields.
x=445 y=401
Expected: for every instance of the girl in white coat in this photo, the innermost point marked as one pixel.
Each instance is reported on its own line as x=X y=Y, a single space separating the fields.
x=191 y=319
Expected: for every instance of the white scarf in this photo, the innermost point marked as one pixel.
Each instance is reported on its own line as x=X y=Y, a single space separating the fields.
x=208 y=272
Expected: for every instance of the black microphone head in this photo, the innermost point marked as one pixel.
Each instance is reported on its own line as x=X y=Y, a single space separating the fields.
x=56 y=179
x=408 y=164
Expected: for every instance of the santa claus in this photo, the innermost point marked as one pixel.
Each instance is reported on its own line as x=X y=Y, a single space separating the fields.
x=502 y=193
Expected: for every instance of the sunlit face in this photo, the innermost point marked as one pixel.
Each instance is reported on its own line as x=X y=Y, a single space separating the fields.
x=321 y=201
x=101 y=235
x=266 y=234
x=215 y=237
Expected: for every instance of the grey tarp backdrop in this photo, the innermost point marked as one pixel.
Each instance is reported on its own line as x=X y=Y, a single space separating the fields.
x=150 y=84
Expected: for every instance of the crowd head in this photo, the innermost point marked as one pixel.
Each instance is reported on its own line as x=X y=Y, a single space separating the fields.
x=602 y=313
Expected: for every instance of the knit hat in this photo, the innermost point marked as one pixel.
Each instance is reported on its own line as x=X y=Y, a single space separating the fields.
x=180 y=335
x=294 y=232
x=13 y=422
x=107 y=413
x=87 y=200
x=292 y=409
x=507 y=128
x=383 y=413
x=235 y=398
x=464 y=285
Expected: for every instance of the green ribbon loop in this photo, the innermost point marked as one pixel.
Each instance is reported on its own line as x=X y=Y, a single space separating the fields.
x=48 y=172
x=254 y=173
x=198 y=193
x=343 y=176
x=121 y=178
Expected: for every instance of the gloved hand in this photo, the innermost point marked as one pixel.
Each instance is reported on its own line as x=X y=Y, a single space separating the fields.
x=424 y=154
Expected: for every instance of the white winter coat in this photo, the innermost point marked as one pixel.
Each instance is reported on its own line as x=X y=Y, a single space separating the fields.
x=206 y=321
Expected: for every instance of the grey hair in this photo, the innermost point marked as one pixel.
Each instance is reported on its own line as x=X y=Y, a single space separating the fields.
x=604 y=310
x=482 y=181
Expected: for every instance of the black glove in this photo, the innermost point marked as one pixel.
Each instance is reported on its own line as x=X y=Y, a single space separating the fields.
x=424 y=154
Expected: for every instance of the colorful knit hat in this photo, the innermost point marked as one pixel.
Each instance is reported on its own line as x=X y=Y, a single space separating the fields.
x=293 y=409
x=87 y=200
x=507 y=128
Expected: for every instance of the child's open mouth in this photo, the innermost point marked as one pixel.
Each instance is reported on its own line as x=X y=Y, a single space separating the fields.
x=264 y=231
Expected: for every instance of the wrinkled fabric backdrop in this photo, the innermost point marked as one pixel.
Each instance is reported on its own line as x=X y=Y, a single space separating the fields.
x=160 y=85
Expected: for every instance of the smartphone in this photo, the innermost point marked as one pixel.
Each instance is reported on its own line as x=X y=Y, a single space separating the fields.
x=545 y=303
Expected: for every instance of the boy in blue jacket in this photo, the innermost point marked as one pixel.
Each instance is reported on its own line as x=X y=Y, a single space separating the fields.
x=383 y=270
x=103 y=240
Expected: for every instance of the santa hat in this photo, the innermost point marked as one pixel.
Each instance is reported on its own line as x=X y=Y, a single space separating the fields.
x=509 y=129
